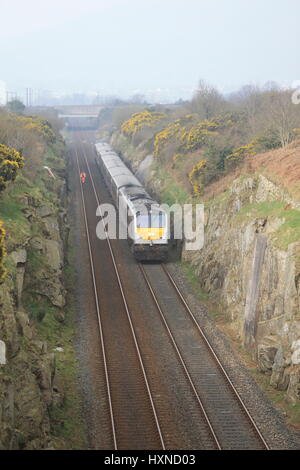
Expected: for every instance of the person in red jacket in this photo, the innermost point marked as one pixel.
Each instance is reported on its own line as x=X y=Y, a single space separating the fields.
x=82 y=177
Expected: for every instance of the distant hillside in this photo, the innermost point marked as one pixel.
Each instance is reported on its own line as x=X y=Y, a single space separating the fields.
x=205 y=140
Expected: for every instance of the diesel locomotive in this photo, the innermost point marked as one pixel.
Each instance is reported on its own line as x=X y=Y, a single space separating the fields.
x=149 y=226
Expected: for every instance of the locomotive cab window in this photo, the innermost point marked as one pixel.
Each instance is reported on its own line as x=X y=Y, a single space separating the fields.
x=158 y=220
x=143 y=221
x=151 y=220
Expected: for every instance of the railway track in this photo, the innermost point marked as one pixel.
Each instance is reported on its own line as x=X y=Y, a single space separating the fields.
x=164 y=419
x=131 y=404
x=230 y=422
x=226 y=419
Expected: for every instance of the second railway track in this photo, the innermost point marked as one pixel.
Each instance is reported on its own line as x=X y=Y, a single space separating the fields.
x=229 y=419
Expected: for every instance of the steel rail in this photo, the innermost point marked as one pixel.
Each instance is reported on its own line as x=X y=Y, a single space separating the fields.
x=182 y=361
x=98 y=310
x=200 y=330
x=127 y=309
x=216 y=358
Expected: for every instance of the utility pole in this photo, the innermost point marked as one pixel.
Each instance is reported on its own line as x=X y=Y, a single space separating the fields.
x=29 y=97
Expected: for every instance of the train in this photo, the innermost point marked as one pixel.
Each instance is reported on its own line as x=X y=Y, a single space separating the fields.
x=149 y=224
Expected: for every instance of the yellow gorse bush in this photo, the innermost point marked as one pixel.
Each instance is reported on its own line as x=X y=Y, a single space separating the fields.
x=198 y=134
x=10 y=162
x=43 y=128
x=174 y=132
x=188 y=135
x=170 y=133
x=242 y=151
x=196 y=177
x=36 y=124
x=140 y=120
x=177 y=157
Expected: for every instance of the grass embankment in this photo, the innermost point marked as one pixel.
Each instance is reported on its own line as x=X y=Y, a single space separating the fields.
x=68 y=430
x=170 y=191
x=193 y=280
x=287 y=233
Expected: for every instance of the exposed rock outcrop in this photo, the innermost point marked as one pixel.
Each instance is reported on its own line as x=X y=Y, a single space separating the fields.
x=27 y=367
x=250 y=264
x=255 y=277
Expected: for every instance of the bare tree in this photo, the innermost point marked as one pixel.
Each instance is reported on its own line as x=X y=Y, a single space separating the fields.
x=282 y=114
x=207 y=100
x=249 y=99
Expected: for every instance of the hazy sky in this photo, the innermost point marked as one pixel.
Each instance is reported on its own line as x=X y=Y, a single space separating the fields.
x=127 y=45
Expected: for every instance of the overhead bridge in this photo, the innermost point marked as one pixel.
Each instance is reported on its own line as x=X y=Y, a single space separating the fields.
x=80 y=117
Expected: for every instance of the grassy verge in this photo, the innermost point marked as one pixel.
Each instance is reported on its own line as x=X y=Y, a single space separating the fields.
x=288 y=232
x=170 y=192
x=193 y=280
x=67 y=421
x=14 y=220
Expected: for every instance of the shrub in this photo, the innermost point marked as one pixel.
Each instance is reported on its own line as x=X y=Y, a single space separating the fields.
x=216 y=153
x=138 y=121
x=41 y=126
x=10 y=162
x=196 y=177
x=269 y=140
x=198 y=135
x=173 y=133
x=241 y=152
